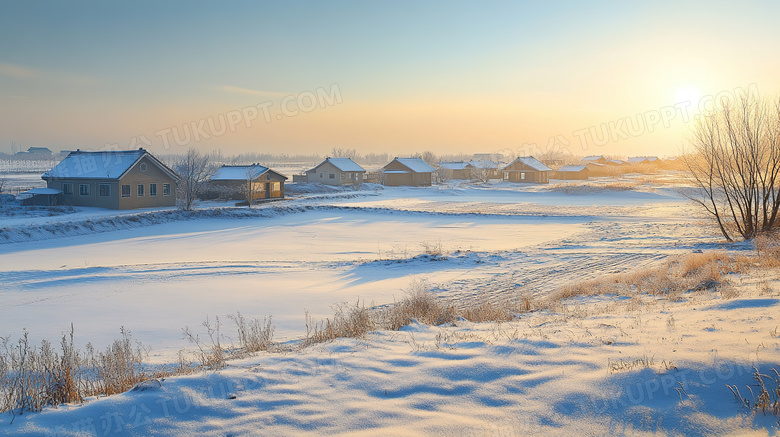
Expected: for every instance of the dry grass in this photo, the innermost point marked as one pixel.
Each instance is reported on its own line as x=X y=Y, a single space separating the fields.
x=768 y=397
x=32 y=377
x=348 y=321
x=418 y=305
x=587 y=188
x=691 y=272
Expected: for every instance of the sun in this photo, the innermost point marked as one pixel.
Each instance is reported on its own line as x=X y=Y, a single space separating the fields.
x=687 y=94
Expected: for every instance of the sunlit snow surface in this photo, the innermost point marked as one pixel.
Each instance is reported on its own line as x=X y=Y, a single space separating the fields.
x=155 y=280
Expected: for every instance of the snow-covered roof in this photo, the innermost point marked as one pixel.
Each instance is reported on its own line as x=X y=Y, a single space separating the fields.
x=484 y=164
x=416 y=165
x=574 y=168
x=343 y=164
x=593 y=158
x=101 y=165
x=532 y=162
x=396 y=171
x=43 y=191
x=615 y=161
x=450 y=165
x=637 y=159
x=239 y=172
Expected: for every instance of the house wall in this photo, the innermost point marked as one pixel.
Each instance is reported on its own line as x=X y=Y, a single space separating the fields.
x=264 y=187
x=410 y=179
x=322 y=172
x=152 y=175
x=93 y=199
x=571 y=175
x=519 y=172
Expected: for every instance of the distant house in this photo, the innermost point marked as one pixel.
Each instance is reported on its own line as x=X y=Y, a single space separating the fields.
x=615 y=162
x=598 y=159
x=407 y=171
x=113 y=180
x=643 y=160
x=486 y=169
x=41 y=197
x=40 y=152
x=571 y=172
x=527 y=169
x=336 y=171
x=598 y=170
x=239 y=181
x=456 y=170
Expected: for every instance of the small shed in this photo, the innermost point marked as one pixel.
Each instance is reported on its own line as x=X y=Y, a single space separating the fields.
x=571 y=172
x=412 y=172
x=527 y=169
x=41 y=197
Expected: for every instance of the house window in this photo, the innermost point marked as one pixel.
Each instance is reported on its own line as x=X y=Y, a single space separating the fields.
x=67 y=188
x=143 y=167
x=153 y=190
x=506 y=175
x=83 y=189
x=166 y=189
x=320 y=175
x=331 y=176
x=522 y=176
x=125 y=190
x=140 y=190
x=104 y=190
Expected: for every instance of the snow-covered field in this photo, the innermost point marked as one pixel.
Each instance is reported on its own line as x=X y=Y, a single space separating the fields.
x=543 y=373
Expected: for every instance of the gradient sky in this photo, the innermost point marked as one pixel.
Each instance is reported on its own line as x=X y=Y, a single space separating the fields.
x=449 y=76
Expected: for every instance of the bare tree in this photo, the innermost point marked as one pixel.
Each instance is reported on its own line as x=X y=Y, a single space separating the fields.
x=193 y=169
x=251 y=187
x=735 y=165
x=2 y=183
x=338 y=152
x=481 y=171
x=443 y=174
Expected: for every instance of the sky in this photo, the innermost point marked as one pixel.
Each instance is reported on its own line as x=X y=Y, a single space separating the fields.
x=511 y=77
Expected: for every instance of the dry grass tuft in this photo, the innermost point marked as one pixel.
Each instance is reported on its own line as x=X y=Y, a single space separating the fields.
x=691 y=272
x=348 y=321
x=32 y=377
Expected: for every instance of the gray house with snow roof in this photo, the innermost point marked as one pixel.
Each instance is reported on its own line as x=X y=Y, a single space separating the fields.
x=241 y=181
x=114 y=180
x=336 y=171
x=412 y=172
x=527 y=169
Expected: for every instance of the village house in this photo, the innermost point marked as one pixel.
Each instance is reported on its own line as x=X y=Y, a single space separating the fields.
x=114 y=180
x=407 y=171
x=336 y=171
x=598 y=159
x=571 y=172
x=527 y=169
x=455 y=170
x=245 y=182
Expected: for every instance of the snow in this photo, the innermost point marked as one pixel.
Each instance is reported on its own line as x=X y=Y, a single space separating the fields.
x=95 y=165
x=547 y=372
x=541 y=374
x=417 y=165
x=453 y=165
x=343 y=164
x=238 y=172
x=43 y=191
x=534 y=163
x=574 y=168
